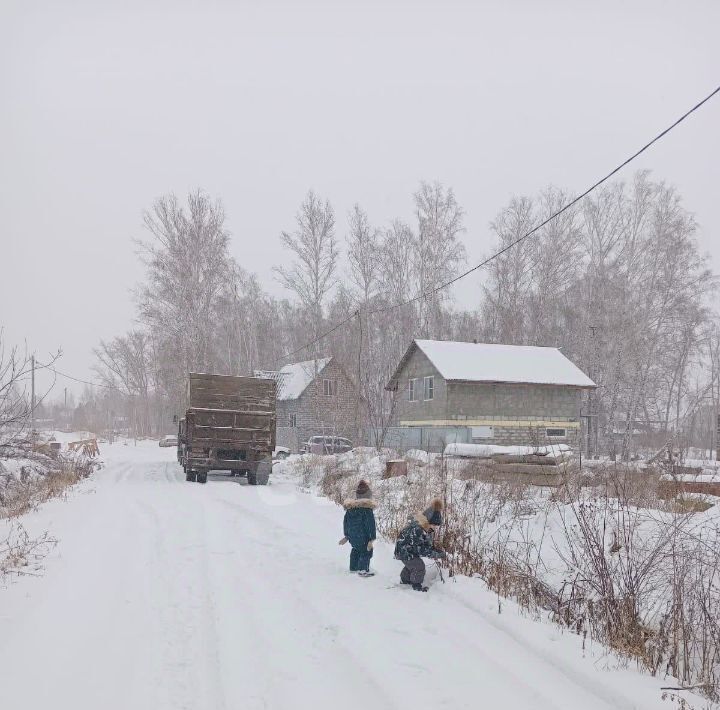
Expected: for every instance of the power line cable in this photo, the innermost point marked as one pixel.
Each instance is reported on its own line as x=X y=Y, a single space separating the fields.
x=614 y=171
x=555 y=214
x=86 y=382
x=285 y=356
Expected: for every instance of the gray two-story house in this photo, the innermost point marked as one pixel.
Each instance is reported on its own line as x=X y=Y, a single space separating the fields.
x=457 y=392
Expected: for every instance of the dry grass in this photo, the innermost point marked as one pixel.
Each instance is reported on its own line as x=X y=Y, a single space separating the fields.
x=21 y=496
x=21 y=555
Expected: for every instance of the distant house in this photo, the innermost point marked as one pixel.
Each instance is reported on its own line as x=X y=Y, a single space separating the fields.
x=485 y=393
x=313 y=398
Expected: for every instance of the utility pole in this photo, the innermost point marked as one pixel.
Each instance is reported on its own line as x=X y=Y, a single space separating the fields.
x=65 y=412
x=32 y=399
x=591 y=434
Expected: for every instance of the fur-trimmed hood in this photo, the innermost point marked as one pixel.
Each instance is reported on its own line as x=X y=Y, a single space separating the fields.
x=359 y=503
x=423 y=519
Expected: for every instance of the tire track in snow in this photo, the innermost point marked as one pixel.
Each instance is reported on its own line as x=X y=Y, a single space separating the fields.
x=224 y=596
x=270 y=619
x=188 y=665
x=479 y=634
x=405 y=663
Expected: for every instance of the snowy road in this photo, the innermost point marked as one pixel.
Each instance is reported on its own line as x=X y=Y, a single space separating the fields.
x=163 y=594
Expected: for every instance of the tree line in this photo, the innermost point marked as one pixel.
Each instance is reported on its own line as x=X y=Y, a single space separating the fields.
x=618 y=282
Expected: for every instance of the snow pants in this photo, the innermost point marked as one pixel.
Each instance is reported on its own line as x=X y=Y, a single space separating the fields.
x=413 y=571
x=360 y=559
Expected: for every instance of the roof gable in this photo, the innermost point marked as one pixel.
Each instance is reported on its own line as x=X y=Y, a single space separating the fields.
x=490 y=362
x=293 y=379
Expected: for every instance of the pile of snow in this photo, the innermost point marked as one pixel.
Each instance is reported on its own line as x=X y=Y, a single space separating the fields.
x=363 y=460
x=418 y=455
x=21 y=469
x=486 y=451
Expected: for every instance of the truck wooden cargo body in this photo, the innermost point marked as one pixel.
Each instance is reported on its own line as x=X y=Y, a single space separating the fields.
x=229 y=426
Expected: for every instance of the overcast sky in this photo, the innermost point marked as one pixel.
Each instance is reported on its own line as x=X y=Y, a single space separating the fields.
x=106 y=105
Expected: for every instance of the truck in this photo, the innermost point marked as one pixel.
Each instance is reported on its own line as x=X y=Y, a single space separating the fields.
x=229 y=425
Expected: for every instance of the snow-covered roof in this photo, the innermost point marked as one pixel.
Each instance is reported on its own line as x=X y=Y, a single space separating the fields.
x=293 y=379
x=488 y=362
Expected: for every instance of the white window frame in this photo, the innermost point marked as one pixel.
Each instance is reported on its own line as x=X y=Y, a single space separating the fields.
x=556 y=436
x=428 y=390
x=412 y=389
x=329 y=387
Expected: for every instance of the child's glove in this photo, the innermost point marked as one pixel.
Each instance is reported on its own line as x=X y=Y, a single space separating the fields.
x=370 y=545
x=342 y=541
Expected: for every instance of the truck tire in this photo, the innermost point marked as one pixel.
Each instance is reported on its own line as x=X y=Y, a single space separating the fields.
x=262 y=474
x=190 y=476
x=202 y=477
x=252 y=479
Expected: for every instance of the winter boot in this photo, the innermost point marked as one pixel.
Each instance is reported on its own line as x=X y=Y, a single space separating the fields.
x=419 y=588
x=366 y=573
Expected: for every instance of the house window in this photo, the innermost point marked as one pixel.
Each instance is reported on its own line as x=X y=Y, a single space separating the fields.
x=329 y=388
x=428 y=387
x=293 y=420
x=556 y=433
x=479 y=433
x=412 y=391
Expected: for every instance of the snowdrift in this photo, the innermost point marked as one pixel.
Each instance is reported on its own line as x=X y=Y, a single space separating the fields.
x=487 y=451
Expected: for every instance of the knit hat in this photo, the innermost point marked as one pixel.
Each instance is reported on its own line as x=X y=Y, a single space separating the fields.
x=434 y=512
x=363 y=490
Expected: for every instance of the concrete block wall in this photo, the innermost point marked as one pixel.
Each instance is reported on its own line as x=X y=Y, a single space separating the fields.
x=434 y=438
x=530 y=436
x=477 y=400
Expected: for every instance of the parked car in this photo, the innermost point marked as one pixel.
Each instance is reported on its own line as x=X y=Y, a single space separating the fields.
x=281 y=452
x=169 y=440
x=326 y=445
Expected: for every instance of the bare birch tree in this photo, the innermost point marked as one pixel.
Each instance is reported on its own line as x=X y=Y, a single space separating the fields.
x=187 y=263
x=363 y=243
x=438 y=251
x=312 y=275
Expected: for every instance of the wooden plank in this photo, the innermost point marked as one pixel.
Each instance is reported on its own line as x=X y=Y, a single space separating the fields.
x=496 y=474
x=527 y=459
x=534 y=469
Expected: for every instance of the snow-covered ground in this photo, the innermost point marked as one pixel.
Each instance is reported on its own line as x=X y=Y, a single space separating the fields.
x=166 y=594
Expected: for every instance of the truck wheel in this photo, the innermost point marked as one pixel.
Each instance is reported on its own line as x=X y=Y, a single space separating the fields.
x=202 y=477
x=190 y=476
x=262 y=475
x=252 y=479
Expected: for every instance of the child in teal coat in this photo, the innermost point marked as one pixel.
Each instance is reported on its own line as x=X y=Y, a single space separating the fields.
x=359 y=529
